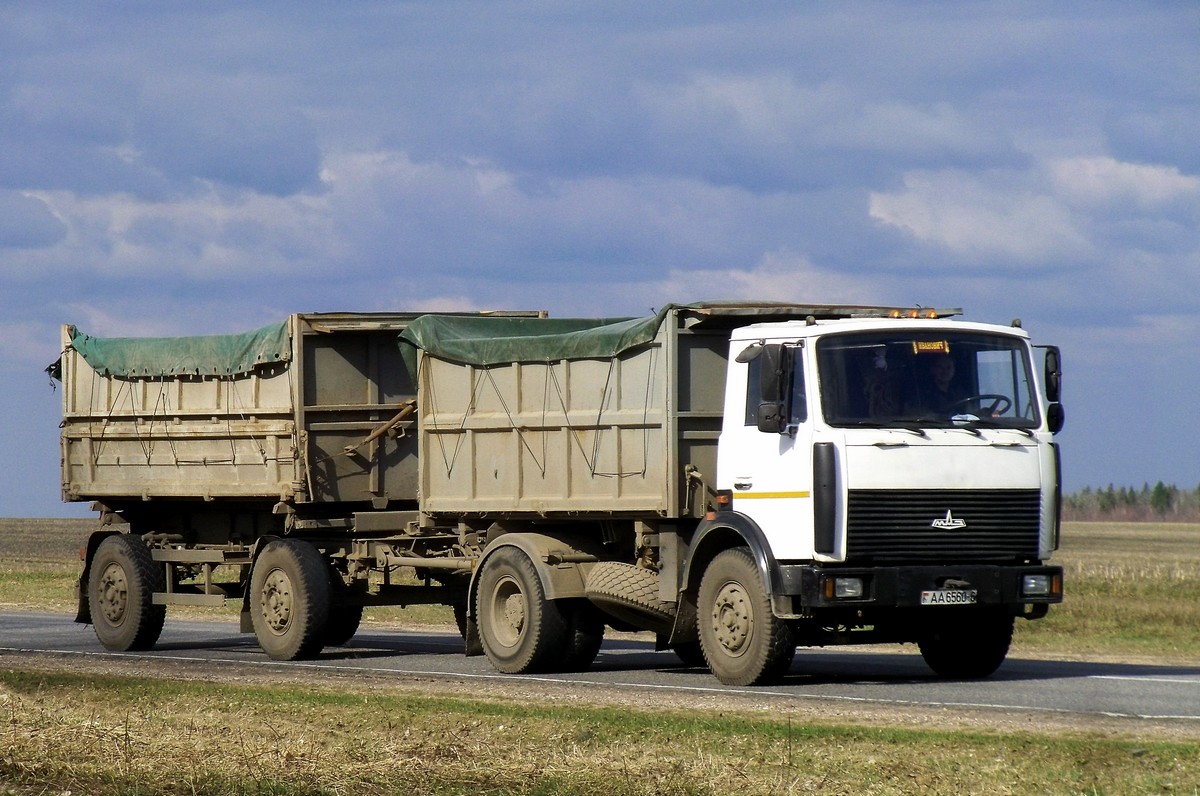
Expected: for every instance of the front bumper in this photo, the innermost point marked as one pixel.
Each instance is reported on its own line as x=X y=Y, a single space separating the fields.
x=810 y=586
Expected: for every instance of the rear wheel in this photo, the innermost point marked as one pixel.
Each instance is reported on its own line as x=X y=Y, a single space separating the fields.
x=122 y=580
x=585 y=634
x=343 y=623
x=290 y=600
x=743 y=641
x=520 y=629
x=345 y=612
x=967 y=646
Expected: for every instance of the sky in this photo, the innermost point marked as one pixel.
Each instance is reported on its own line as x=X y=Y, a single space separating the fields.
x=203 y=168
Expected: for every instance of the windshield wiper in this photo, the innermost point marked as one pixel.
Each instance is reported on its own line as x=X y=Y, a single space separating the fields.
x=895 y=425
x=984 y=422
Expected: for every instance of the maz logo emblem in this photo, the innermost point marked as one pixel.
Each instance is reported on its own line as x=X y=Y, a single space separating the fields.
x=949 y=522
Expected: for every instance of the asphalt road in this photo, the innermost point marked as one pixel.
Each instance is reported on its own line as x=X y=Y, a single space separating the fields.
x=890 y=676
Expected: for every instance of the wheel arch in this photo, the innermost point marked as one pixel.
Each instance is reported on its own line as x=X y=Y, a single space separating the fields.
x=728 y=529
x=561 y=580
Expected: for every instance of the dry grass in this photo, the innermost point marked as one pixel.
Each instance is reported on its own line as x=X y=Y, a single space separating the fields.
x=117 y=735
x=1132 y=589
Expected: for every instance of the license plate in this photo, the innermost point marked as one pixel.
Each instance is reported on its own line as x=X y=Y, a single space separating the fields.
x=949 y=597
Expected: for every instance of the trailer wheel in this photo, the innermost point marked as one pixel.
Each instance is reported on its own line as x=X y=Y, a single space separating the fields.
x=520 y=629
x=121 y=584
x=967 y=646
x=630 y=594
x=290 y=600
x=743 y=641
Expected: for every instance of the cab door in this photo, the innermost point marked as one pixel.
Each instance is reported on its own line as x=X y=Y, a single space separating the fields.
x=764 y=460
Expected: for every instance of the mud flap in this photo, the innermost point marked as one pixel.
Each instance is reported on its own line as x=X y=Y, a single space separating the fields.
x=84 y=613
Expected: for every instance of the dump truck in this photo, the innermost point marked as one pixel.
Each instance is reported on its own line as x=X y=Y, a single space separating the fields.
x=739 y=479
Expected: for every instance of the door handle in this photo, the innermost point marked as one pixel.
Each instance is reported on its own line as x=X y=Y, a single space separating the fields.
x=743 y=484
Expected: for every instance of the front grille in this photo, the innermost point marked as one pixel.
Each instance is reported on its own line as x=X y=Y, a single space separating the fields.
x=939 y=524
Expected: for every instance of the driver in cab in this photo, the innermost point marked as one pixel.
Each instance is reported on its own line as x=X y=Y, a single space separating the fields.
x=938 y=394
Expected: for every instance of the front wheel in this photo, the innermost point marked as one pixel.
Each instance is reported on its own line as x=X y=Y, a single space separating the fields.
x=743 y=641
x=520 y=629
x=290 y=600
x=122 y=580
x=967 y=646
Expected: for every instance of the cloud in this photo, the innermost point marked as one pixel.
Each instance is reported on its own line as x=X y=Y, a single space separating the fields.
x=1060 y=211
x=27 y=222
x=212 y=235
x=983 y=217
x=1104 y=180
x=778 y=276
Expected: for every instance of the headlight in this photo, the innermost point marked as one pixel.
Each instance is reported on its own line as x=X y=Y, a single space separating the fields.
x=1035 y=585
x=848 y=588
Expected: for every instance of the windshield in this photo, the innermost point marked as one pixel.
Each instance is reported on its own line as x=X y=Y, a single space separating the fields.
x=943 y=378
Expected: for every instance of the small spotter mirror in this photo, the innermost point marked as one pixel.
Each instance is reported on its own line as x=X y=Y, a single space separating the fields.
x=750 y=353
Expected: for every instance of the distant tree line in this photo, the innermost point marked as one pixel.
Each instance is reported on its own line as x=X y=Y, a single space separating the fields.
x=1158 y=503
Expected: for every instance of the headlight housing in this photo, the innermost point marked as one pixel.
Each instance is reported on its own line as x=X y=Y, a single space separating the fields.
x=849 y=588
x=1040 y=585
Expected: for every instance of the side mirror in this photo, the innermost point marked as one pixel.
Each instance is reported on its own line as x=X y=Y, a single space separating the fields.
x=1053 y=376
x=774 y=377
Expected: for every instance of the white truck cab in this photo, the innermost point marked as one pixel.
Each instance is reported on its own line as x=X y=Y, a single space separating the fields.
x=900 y=474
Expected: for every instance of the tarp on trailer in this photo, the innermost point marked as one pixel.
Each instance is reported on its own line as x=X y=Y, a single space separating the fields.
x=496 y=340
x=224 y=355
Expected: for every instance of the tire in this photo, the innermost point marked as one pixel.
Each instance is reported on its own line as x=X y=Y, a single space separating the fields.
x=122 y=579
x=690 y=654
x=290 y=598
x=585 y=634
x=630 y=594
x=469 y=630
x=345 y=615
x=743 y=641
x=968 y=646
x=520 y=629
x=343 y=622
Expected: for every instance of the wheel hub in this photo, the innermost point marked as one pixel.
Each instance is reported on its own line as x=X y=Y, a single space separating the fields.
x=114 y=593
x=509 y=609
x=732 y=618
x=277 y=601
x=514 y=612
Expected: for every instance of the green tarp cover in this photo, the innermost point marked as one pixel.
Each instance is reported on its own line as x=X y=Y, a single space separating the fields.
x=495 y=340
x=213 y=355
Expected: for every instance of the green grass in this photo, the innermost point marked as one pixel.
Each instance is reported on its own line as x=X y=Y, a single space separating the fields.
x=119 y=735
